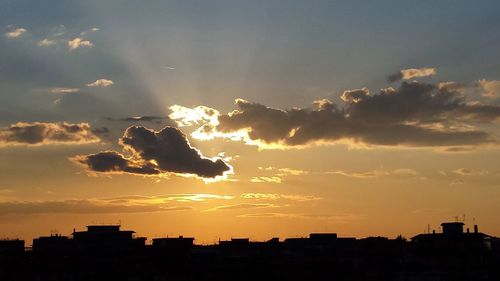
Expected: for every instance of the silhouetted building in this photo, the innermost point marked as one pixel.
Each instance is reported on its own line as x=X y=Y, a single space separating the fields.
x=11 y=247
x=107 y=239
x=452 y=228
x=54 y=245
x=176 y=245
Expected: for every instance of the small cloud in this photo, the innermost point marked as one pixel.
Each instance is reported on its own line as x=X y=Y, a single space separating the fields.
x=100 y=83
x=266 y=179
x=101 y=131
x=84 y=33
x=361 y=175
x=469 y=172
x=279 y=174
x=410 y=73
x=15 y=32
x=170 y=67
x=291 y=172
x=79 y=43
x=490 y=88
x=58 y=31
x=442 y=173
x=45 y=42
x=457 y=182
x=59 y=90
x=355 y=96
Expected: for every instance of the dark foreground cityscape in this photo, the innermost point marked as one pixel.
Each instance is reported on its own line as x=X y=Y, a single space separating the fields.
x=104 y=252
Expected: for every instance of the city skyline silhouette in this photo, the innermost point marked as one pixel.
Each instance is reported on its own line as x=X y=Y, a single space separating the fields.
x=307 y=136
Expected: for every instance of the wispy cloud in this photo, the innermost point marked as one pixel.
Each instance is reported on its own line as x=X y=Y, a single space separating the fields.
x=457 y=182
x=470 y=172
x=121 y=204
x=277 y=175
x=46 y=42
x=266 y=179
x=59 y=90
x=84 y=33
x=376 y=173
x=334 y=217
x=275 y=196
x=81 y=206
x=242 y=206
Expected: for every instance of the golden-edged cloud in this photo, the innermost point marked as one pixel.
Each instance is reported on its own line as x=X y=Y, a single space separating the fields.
x=156 y=153
x=40 y=133
x=414 y=115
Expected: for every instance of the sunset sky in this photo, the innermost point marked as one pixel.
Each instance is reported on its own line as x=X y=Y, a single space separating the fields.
x=220 y=119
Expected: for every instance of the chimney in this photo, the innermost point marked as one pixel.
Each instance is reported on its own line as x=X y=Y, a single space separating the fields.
x=475 y=229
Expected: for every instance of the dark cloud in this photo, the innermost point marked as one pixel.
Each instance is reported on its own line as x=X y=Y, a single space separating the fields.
x=416 y=114
x=153 y=119
x=395 y=77
x=165 y=151
x=111 y=161
x=39 y=133
x=101 y=131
